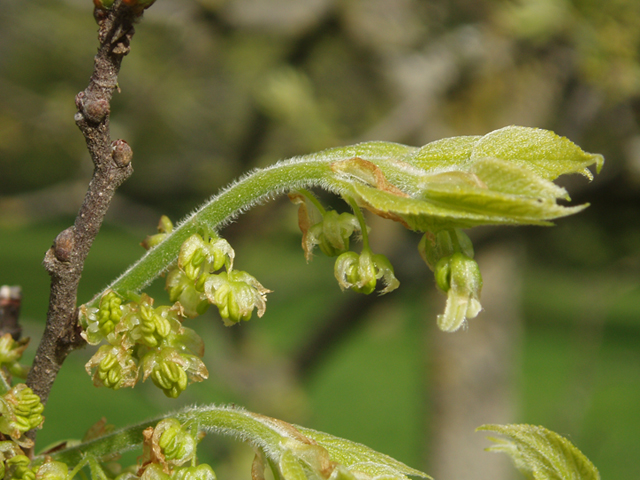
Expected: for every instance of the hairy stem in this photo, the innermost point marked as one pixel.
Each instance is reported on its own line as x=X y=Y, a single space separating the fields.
x=65 y=259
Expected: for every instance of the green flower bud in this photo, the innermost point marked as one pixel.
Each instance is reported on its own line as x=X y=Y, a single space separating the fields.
x=149 y=326
x=332 y=233
x=165 y=227
x=183 y=289
x=176 y=443
x=51 y=470
x=459 y=276
x=171 y=370
x=113 y=366
x=236 y=294
x=21 y=411
x=99 y=322
x=154 y=471
x=19 y=468
x=361 y=272
x=10 y=353
x=444 y=243
x=198 y=256
x=201 y=472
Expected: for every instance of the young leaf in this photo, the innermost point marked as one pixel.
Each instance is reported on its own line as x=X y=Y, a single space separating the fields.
x=541 y=454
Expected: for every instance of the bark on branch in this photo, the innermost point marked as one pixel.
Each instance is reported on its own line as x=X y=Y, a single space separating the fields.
x=112 y=160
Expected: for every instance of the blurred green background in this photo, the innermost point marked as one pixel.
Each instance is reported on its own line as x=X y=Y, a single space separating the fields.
x=213 y=88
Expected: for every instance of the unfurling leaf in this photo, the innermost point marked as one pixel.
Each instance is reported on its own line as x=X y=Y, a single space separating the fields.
x=541 y=454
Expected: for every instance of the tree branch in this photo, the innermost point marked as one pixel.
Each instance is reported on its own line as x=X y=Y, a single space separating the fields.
x=112 y=160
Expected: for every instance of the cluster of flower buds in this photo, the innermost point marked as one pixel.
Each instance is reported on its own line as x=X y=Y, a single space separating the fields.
x=204 y=276
x=166 y=448
x=359 y=272
x=20 y=411
x=18 y=467
x=144 y=341
x=449 y=254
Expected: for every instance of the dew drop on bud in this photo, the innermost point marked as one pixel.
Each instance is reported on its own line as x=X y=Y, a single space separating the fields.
x=121 y=152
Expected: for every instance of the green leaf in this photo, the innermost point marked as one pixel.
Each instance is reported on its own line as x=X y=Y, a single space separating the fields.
x=359 y=457
x=544 y=152
x=541 y=454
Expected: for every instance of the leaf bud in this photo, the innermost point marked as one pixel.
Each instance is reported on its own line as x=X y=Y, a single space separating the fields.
x=21 y=411
x=236 y=294
x=95 y=109
x=64 y=244
x=121 y=153
x=361 y=272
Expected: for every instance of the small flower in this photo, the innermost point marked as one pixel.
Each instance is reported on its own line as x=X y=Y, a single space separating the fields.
x=200 y=255
x=183 y=289
x=21 y=411
x=331 y=234
x=113 y=366
x=149 y=326
x=201 y=472
x=236 y=294
x=171 y=370
x=458 y=276
x=99 y=322
x=361 y=272
x=52 y=470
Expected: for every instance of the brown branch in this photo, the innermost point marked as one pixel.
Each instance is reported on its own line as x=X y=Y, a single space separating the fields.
x=112 y=160
x=10 y=300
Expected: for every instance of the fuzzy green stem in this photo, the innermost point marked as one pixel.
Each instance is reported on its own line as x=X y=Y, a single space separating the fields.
x=249 y=191
x=312 y=198
x=363 y=223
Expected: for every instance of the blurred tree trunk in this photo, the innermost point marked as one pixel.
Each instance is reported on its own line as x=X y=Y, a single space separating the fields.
x=473 y=375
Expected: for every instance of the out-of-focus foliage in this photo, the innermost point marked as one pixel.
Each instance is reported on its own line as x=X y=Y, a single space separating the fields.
x=215 y=87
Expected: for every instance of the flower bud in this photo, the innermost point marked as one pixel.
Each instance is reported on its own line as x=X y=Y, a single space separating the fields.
x=361 y=272
x=100 y=322
x=461 y=275
x=176 y=443
x=149 y=326
x=201 y=472
x=236 y=294
x=183 y=289
x=434 y=247
x=165 y=227
x=21 y=411
x=51 y=470
x=198 y=255
x=332 y=233
x=171 y=371
x=113 y=367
